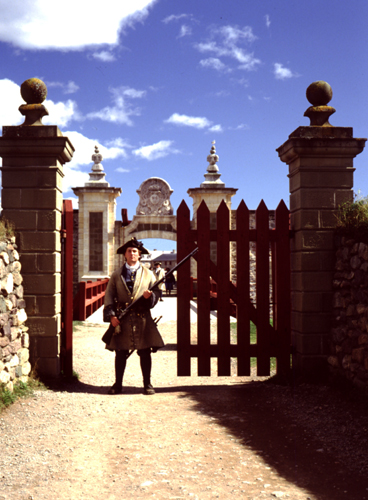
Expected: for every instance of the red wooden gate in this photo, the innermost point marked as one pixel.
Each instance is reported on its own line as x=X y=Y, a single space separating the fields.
x=67 y=289
x=272 y=333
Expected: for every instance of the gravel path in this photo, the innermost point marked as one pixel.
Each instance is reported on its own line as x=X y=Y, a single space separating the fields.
x=197 y=438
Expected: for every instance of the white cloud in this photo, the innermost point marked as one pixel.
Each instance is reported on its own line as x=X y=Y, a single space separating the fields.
x=282 y=73
x=228 y=44
x=122 y=109
x=185 y=31
x=122 y=170
x=104 y=56
x=214 y=63
x=67 y=25
x=61 y=113
x=232 y=34
x=268 y=20
x=67 y=88
x=75 y=174
x=189 y=121
x=174 y=17
x=216 y=128
x=154 y=151
x=73 y=178
x=10 y=100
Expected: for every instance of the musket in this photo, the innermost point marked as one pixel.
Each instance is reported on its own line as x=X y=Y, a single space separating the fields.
x=123 y=312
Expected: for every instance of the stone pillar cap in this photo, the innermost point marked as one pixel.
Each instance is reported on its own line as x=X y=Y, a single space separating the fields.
x=319 y=94
x=34 y=92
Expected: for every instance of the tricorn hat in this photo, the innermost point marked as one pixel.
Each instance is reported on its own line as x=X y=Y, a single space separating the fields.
x=157 y=263
x=134 y=243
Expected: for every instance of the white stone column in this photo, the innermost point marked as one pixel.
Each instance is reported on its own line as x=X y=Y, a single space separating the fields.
x=97 y=201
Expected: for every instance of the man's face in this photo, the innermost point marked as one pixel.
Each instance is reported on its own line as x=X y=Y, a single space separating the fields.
x=132 y=255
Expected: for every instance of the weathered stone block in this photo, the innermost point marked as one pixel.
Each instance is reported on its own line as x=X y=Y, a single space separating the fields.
x=49 y=263
x=28 y=261
x=314 y=240
x=40 y=241
x=47 y=366
x=41 y=199
x=23 y=355
x=312 y=199
x=49 y=220
x=312 y=261
x=49 y=284
x=40 y=305
x=46 y=347
x=10 y=199
x=310 y=324
x=311 y=302
x=23 y=219
x=312 y=281
x=44 y=326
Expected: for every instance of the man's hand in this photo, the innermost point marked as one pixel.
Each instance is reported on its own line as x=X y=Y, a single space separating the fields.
x=147 y=294
x=114 y=321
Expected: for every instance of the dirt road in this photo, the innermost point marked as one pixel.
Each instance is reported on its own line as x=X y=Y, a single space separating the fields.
x=196 y=438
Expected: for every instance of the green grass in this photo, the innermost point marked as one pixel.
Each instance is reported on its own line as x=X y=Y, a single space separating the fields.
x=253 y=340
x=20 y=390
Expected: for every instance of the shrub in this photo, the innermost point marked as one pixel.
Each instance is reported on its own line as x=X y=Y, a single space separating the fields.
x=352 y=219
x=6 y=228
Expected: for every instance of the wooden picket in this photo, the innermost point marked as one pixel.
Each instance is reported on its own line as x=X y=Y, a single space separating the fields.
x=272 y=340
x=67 y=288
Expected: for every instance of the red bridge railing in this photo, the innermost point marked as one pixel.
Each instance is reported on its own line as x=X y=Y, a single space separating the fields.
x=89 y=298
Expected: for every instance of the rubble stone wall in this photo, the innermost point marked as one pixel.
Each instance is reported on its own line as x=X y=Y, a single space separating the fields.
x=349 y=335
x=14 y=339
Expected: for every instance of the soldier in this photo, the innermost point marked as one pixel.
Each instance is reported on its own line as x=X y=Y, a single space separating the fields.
x=160 y=273
x=136 y=330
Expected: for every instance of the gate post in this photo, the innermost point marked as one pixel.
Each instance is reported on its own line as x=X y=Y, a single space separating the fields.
x=320 y=159
x=33 y=157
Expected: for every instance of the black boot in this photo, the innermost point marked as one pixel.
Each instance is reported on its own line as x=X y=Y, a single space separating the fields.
x=120 y=363
x=146 y=365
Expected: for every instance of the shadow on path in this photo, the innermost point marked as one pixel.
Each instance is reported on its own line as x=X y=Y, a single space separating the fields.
x=266 y=418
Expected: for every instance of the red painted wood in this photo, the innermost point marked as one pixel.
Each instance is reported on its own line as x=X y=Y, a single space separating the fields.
x=223 y=289
x=184 y=247
x=68 y=288
x=203 y=295
x=262 y=290
x=82 y=301
x=243 y=288
x=282 y=289
x=270 y=342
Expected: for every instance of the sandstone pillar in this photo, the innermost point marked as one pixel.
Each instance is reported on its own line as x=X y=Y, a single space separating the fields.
x=320 y=159
x=33 y=157
x=212 y=191
x=96 y=224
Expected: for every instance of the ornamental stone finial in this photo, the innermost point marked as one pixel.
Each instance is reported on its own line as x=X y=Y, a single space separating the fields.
x=212 y=176
x=97 y=176
x=34 y=92
x=319 y=94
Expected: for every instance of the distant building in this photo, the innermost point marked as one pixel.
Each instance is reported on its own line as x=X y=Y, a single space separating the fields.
x=167 y=259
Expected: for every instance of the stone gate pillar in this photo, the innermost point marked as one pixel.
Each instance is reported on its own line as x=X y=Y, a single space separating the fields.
x=96 y=223
x=212 y=191
x=320 y=159
x=33 y=157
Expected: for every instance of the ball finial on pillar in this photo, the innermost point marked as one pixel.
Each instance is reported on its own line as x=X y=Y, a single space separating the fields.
x=34 y=92
x=319 y=94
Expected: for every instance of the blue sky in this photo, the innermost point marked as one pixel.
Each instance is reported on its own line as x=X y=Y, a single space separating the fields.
x=154 y=82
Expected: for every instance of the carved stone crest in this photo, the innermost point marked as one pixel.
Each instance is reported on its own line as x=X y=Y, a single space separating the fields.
x=154 y=197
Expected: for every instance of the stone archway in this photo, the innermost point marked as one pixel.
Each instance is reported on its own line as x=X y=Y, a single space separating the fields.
x=154 y=216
